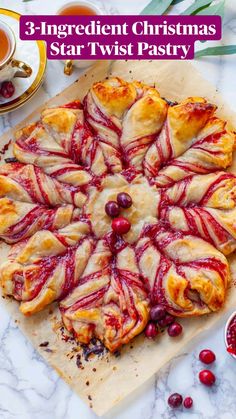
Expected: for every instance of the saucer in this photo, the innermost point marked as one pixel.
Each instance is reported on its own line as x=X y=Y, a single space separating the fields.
x=31 y=52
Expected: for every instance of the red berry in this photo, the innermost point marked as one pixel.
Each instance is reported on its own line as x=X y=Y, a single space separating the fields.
x=151 y=331
x=207 y=377
x=175 y=400
x=7 y=89
x=157 y=312
x=207 y=356
x=120 y=225
x=188 y=402
x=166 y=321
x=112 y=209
x=174 y=329
x=124 y=200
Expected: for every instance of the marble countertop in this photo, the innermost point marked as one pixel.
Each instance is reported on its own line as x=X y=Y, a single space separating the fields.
x=29 y=389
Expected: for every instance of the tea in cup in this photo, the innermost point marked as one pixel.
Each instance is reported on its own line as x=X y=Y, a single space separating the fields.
x=9 y=66
x=78 y=8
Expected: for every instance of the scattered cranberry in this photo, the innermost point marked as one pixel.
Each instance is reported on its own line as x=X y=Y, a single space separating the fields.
x=112 y=209
x=157 y=312
x=120 y=225
x=124 y=200
x=188 y=402
x=166 y=321
x=174 y=329
x=151 y=331
x=7 y=89
x=175 y=400
x=207 y=377
x=207 y=356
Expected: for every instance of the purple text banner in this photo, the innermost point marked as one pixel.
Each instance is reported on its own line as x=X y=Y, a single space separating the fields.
x=120 y=37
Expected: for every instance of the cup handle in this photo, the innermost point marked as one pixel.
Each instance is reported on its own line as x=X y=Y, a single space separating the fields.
x=24 y=69
x=68 y=68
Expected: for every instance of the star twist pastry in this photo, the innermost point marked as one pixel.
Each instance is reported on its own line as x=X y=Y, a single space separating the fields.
x=171 y=160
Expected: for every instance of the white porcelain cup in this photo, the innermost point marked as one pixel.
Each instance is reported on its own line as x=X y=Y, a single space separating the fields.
x=68 y=68
x=11 y=67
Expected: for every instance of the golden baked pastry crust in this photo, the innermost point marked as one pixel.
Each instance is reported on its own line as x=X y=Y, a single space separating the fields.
x=123 y=138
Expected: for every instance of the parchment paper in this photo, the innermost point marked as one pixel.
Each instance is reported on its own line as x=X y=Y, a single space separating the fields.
x=110 y=379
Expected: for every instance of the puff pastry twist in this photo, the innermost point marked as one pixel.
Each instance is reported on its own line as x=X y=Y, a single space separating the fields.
x=47 y=266
x=171 y=159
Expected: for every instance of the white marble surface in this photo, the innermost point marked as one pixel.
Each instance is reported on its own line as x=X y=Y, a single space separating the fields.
x=29 y=389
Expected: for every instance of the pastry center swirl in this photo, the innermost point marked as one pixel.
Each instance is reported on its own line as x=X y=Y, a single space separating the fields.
x=143 y=210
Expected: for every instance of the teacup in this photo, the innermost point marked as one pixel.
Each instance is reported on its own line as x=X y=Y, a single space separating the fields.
x=9 y=66
x=77 y=8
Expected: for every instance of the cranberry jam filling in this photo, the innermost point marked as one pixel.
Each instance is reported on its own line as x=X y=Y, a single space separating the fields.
x=231 y=337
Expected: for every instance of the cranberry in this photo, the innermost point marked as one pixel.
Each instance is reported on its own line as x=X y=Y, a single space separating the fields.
x=207 y=377
x=112 y=209
x=151 y=330
x=188 y=402
x=174 y=329
x=157 y=312
x=7 y=89
x=120 y=225
x=166 y=321
x=175 y=400
x=207 y=356
x=124 y=200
